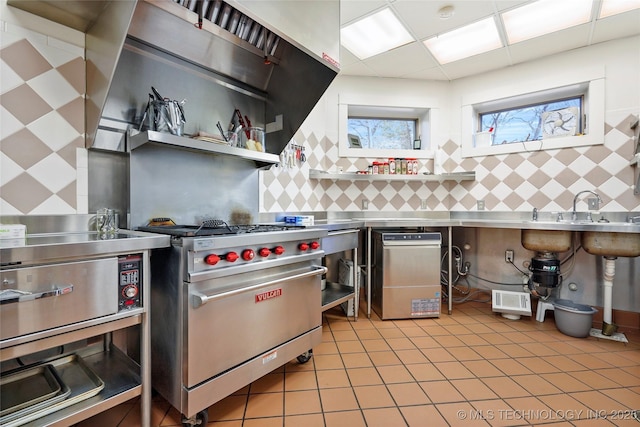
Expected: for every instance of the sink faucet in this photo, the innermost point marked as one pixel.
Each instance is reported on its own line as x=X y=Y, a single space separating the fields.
x=535 y=214
x=574 y=214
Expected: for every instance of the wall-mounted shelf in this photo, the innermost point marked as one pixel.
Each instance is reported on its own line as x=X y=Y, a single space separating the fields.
x=262 y=160
x=351 y=176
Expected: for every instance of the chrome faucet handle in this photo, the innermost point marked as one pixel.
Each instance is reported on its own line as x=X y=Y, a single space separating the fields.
x=560 y=217
x=534 y=216
x=634 y=219
x=589 y=218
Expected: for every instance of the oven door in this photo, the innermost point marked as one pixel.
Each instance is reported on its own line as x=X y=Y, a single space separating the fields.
x=233 y=319
x=42 y=298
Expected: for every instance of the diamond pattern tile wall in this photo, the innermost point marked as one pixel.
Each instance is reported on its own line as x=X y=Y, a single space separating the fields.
x=42 y=112
x=547 y=180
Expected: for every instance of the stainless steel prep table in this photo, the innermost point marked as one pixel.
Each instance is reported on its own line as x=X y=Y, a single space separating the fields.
x=65 y=247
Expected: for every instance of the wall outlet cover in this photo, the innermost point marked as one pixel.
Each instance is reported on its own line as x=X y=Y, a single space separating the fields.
x=480 y=205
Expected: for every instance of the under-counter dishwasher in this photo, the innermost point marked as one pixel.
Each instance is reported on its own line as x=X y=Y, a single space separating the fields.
x=406 y=274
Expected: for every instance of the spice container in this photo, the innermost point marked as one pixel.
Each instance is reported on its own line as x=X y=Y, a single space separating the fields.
x=392 y=166
x=376 y=168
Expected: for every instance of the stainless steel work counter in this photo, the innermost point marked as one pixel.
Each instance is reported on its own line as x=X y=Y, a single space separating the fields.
x=53 y=246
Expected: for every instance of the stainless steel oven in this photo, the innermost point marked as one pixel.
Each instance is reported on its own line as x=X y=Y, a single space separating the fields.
x=227 y=309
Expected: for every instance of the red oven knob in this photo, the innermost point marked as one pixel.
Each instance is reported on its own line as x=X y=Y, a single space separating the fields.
x=212 y=259
x=231 y=257
x=303 y=246
x=264 y=252
x=278 y=250
x=248 y=254
x=315 y=245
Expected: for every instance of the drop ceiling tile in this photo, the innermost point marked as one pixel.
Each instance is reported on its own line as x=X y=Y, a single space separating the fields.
x=616 y=26
x=53 y=88
x=492 y=60
x=53 y=130
x=25 y=60
x=24 y=104
x=13 y=192
x=24 y=148
x=549 y=44
x=53 y=172
x=400 y=61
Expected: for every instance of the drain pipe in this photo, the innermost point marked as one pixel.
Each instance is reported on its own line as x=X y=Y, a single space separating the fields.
x=608 y=327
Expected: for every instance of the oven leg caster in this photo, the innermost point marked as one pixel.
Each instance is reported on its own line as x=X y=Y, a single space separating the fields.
x=305 y=357
x=201 y=419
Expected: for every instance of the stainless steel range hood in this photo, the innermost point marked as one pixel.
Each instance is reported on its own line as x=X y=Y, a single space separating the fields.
x=288 y=77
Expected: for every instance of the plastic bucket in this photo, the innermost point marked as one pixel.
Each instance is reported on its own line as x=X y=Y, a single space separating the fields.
x=573 y=319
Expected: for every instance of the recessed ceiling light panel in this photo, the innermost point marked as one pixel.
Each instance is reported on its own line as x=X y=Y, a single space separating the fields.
x=613 y=7
x=479 y=37
x=374 y=34
x=544 y=17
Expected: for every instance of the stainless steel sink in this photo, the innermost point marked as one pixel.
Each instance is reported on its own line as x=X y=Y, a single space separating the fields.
x=546 y=240
x=607 y=243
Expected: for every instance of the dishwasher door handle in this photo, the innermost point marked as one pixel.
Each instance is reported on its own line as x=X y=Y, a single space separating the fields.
x=199 y=299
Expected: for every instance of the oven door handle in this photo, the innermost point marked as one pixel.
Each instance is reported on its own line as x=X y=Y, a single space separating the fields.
x=9 y=296
x=199 y=299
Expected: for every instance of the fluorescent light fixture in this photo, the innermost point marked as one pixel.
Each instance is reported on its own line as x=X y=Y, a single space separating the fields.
x=613 y=7
x=479 y=37
x=544 y=17
x=374 y=34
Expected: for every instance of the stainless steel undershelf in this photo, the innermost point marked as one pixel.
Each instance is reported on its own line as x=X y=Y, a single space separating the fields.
x=335 y=294
x=122 y=382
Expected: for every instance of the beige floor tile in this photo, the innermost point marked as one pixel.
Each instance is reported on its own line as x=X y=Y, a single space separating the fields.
x=384 y=358
x=438 y=355
x=461 y=414
x=332 y=378
x=264 y=422
x=383 y=417
x=364 y=376
x=309 y=420
x=338 y=399
x=483 y=368
x=565 y=382
x=373 y=396
x=454 y=370
x=229 y=408
x=356 y=360
x=496 y=412
x=394 y=374
x=425 y=372
x=268 y=384
x=344 y=419
x=511 y=366
x=350 y=347
x=441 y=391
x=464 y=353
x=473 y=389
x=375 y=345
x=409 y=357
x=265 y=405
x=408 y=394
x=345 y=335
x=302 y=402
x=327 y=361
x=505 y=387
x=594 y=379
x=300 y=381
x=417 y=416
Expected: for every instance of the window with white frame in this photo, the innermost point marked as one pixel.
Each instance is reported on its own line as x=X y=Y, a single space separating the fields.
x=557 y=113
x=379 y=131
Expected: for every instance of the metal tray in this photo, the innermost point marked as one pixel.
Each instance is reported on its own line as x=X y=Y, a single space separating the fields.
x=77 y=376
x=27 y=390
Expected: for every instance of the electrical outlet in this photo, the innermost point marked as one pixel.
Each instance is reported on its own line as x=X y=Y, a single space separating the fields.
x=508 y=255
x=593 y=203
x=480 y=205
x=365 y=204
x=423 y=204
